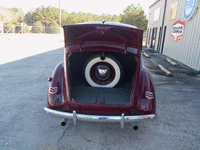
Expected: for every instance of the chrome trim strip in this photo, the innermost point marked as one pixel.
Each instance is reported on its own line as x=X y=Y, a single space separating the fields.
x=95 y=118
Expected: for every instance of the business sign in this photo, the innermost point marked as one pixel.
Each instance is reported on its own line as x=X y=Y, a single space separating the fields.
x=178 y=29
x=156 y=16
x=190 y=9
x=173 y=11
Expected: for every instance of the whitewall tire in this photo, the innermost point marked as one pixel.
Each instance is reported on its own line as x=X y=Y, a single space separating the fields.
x=104 y=73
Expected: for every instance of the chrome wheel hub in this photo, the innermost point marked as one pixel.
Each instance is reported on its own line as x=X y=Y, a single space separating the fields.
x=102 y=72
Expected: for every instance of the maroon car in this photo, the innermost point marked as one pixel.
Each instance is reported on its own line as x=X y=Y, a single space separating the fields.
x=102 y=78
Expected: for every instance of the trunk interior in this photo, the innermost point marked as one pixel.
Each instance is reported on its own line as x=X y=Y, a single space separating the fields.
x=82 y=92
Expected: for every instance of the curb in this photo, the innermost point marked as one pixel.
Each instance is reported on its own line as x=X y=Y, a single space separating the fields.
x=171 y=62
x=194 y=73
x=168 y=73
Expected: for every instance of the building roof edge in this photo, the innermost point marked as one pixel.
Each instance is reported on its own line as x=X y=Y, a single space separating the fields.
x=154 y=3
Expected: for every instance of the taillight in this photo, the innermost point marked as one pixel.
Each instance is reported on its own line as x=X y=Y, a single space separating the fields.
x=145 y=105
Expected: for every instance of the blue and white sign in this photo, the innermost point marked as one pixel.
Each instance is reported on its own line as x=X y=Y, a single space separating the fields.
x=190 y=8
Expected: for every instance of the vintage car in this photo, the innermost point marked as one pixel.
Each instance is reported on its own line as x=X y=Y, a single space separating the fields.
x=102 y=78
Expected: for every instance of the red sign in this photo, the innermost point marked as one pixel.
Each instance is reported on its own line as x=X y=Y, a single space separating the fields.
x=178 y=29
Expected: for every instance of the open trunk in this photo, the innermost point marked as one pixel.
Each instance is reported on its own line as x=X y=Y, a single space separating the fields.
x=102 y=78
x=82 y=92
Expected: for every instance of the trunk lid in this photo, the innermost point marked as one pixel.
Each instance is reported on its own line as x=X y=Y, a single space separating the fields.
x=105 y=33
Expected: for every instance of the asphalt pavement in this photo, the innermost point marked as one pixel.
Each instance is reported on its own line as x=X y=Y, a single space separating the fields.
x=25 y=125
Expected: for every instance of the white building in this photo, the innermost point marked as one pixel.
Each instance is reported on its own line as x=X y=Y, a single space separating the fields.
x=174 y=30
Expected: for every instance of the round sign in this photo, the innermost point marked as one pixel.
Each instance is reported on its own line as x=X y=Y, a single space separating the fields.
x=190 y=8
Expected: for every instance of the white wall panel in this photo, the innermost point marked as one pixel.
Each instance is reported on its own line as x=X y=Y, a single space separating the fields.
x=187 y=49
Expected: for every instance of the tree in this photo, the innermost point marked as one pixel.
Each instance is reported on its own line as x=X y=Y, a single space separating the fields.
x=88 y=17
x=52 y=28
x=12 y=27
x=37 y=27
x=64 y=16
x=134 y=15
x=18 y=13
x=25 y=28
x=22 y=28
x=9 y=15
x=8 y=27
x=116 y=18
x=30 y=17
x=47 y=15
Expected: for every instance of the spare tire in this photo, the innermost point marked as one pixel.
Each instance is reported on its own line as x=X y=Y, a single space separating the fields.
x=103 y=72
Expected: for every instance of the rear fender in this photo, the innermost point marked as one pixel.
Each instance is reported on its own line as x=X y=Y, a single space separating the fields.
x=147 y=102
x=55 y=97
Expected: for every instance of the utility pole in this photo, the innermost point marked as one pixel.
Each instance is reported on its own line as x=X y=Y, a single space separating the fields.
x=60 y=14
x=60 y=18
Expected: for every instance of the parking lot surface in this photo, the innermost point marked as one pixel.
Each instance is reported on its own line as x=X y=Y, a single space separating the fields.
x=25 y=125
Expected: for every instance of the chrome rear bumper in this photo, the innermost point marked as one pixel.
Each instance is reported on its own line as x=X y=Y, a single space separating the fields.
x=95 y=118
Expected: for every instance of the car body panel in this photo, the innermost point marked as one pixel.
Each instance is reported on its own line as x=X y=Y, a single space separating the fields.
x=112 y=38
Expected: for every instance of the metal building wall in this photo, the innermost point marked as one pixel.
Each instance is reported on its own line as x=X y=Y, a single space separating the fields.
x=151 y=24
x=187 y=49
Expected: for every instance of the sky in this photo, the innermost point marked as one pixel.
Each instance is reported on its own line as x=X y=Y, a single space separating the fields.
x=99 y=7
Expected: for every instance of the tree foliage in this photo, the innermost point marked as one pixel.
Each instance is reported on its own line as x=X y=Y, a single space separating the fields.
x=8 y=15
x=49 y=17
x=52 y=28
x=37 y=27
x=22 y=28
x=134 y=15
x=8 y=28
x=30 y=17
